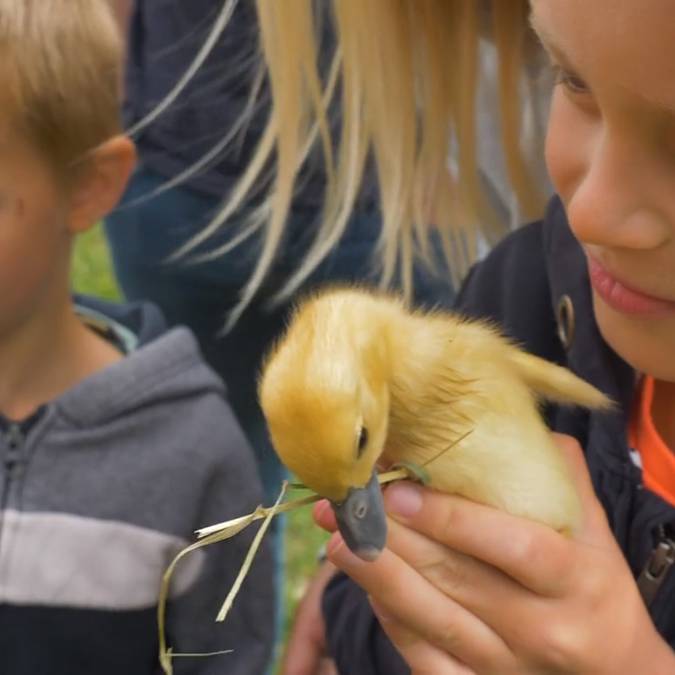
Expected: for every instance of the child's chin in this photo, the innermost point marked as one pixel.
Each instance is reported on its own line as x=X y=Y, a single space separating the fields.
x=645 y=343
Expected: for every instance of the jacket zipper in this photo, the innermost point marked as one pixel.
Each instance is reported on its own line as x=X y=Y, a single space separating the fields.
x=658 y=565
x=14 y=438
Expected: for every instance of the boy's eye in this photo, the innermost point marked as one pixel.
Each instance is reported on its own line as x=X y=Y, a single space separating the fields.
x=573 y=83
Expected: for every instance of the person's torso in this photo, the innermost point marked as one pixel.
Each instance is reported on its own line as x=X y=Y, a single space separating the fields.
x=544 y=302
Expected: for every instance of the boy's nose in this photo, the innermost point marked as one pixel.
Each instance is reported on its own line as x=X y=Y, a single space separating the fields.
x=620 y=203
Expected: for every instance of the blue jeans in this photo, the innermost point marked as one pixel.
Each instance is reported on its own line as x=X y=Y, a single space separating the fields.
x=143 y=235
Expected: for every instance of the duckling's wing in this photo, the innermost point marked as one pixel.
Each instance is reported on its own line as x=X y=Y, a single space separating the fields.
x=556 y=383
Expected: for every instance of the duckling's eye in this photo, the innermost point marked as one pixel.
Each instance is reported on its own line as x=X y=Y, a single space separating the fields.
x=362 y=441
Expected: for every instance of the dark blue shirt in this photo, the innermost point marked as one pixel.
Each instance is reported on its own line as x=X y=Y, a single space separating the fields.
x=165 y=36
x=164 y=39
x=520 y=287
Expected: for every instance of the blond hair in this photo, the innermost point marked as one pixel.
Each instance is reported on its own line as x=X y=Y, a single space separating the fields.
x=406 y=74
x=60 y=63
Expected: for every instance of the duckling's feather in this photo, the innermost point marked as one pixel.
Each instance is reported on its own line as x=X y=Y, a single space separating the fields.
x=434 y=389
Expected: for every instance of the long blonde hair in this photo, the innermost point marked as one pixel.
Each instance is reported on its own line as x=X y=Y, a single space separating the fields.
x=406 y=75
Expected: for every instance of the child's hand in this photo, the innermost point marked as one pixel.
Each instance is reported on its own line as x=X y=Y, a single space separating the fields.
x=464 y=588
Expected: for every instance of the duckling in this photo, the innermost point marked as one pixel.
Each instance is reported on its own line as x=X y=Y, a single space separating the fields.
x=359 y=381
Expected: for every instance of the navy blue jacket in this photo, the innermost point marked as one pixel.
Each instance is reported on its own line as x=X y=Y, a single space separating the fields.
x=165 y=36
x=164 y=39
x=523 y=285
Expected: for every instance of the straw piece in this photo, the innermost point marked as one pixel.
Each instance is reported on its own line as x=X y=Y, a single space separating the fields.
x=248 y=561
x=198 y=655
x=167 y=654
x=225 y=530
x=260 y=513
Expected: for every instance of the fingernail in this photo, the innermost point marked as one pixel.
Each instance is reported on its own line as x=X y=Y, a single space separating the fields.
x=320 y=509
x=403 y=499
x=338 y=552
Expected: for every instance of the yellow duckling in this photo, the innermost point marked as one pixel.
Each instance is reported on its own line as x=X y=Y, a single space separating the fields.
x=359 y=380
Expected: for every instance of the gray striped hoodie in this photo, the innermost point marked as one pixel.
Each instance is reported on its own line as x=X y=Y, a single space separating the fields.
x=98 y=494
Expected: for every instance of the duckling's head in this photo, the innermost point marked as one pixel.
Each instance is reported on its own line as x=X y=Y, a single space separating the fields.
x=325 y=395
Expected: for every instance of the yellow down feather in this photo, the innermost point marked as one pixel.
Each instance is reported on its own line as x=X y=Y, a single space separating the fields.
x=429 y=388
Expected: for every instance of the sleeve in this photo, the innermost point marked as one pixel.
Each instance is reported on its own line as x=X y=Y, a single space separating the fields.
x=224 y=484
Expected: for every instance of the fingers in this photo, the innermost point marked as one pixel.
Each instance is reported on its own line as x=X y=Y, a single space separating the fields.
x=532 y=554
x=478 y=587
x=400 y=591
x=323 y=515
x=422 y=657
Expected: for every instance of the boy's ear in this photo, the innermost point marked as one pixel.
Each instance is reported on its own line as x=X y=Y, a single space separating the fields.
x=99 y=187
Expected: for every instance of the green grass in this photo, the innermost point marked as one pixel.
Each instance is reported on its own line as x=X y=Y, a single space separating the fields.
x=92 y=274
x=303 y=541
x=92 y=270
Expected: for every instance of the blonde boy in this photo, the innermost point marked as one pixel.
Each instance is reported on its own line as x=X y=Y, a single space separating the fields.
x=115 y=440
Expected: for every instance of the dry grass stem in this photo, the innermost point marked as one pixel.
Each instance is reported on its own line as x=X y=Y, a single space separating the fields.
x=222 y=531
x=248 y=561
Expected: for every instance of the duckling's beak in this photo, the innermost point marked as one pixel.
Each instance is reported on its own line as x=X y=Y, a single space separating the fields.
x=362 y=521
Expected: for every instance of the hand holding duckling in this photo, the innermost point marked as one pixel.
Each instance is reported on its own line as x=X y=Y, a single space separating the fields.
x=358 y=380
x=494 y=593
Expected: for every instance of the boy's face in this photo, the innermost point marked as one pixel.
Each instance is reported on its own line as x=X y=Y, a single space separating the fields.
x=611 y=156
x=34 y=238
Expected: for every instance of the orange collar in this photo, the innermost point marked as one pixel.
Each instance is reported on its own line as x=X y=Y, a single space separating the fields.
x=658 y=460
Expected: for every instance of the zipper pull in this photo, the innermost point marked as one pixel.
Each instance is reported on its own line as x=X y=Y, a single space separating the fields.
x=656 y=570
x=14 y=436
x=15 y=439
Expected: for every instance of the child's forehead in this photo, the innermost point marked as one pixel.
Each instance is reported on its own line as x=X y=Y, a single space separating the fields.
x=627 y=43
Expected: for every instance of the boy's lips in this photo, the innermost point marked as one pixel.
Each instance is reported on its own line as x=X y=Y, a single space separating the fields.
x=624 y=299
